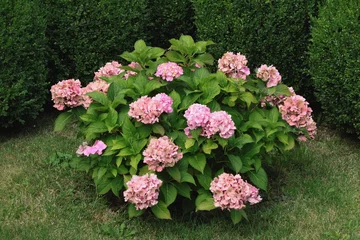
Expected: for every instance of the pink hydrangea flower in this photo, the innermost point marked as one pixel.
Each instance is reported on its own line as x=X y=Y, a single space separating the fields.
x=232 y=192
x=161 y=153
x=219 y=122
x=197 y=115
x=110 y=69
x=143 y=191
x=147 y=110
x=97 y=148
x=129 y=73
x=276 y=100
x=234 y=65
x=66 y=93
x=168 y=71
x=96 y=86
x=295 y=110
x=311 y=128
x=269 y=74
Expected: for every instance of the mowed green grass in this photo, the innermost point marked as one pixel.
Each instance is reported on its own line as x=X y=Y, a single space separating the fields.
x=314 y=193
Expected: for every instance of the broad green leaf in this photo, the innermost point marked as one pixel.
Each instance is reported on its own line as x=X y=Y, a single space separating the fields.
x=133 y=212
x=187 y=177
x=255 y=149
x=284 y=138
x=189 y=99
x=273 y=115
x=204 y=180
x=183 y=189
x=157 y=128
x=144 y=130
x=198 y=162
x=96 y=127
x=248 y=98
x=128 y=129
x=151 y=85
x=242 y=140
x=291 y=143
x=101 y=172
x=259 y=178
x=282 y=89
x=175 y=57
x=235 y=216
x=236 y=162
x=139 y=45
x=117 y=184
x=210 y=91
x=160 y=211
x=189 y=143
x=174 y=172
x=104 y=185
x=134 y=161
x=206 y=205
x=176 y=99
x=62 y=120
x=89 y=118
x=202 y=196
x=111 y=119
x=125 y=152
x=205 y=58
x=169 y=192
x=155 y=52
x=209 y=146
x=269 y=146
x=118 y=161
x=99 y=97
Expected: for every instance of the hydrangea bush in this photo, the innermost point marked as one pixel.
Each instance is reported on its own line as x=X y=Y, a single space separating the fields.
x=165 y=129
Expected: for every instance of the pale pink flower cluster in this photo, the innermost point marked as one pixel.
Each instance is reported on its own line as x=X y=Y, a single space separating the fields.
x=96 y=86
x=147 y=110
x=143 y=191
x=161 y=153
x=66 y=93
x=232 y=192
x=97 y=148
x=234 y=65
x=110 y=69
x=129 y=73
x=199 y=115
x=296 y=111
x=269 y=74
x=310 y=128
x=168 y=71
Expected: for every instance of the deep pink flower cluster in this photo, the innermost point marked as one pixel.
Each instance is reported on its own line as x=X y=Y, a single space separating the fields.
x=168 y=71
x=296 y=111
x=269 y=74
x=110 y=69
x=147 y=110
x=66 y=93
x=143 y=191
x=234 y=65
x=161 y=153
x=199 y=115
x=97 y=148
x=232 y=192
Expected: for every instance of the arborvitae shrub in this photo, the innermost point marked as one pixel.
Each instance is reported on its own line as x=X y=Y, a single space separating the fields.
x=85 y=34
x=274 y=32
x=169 y=20
x=335 y=63
x=23 y=68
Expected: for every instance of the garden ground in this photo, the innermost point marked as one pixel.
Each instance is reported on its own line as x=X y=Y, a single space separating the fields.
x=314 y=193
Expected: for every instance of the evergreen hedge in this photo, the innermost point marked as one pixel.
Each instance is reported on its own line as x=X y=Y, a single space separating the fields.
x=335 y=63
x=23 y=69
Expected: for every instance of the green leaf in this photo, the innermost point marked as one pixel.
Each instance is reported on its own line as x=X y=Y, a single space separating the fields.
x=202 y=196
x=235 y=216
x=125 y=152
x=208 y=146
x=128 y=129
x=189 y=99
x=151 y=85
x=111 y=119
x=253 y=149
x=101 y=172
x=257 y=164
x=176 y=99
x=187 y=177
x=175 y=57
x=155 y=52
x=183 y=189
x=259 y=178
x=96 y=127
x=160 y=211
x=282 y=89
x=189 y=143
x=157 y=128
x=242 y=140
x=274 y=115
x=104 y=185
x=134 y=161
x=206 y=205
x=89 y=118
x=99 y=97
x=284 y=138
x=198 y=162
x=117 y=184
x=139 y=45
x=236 y=163
x=291 y=143
x=118 y=161
x=210 y=90
x=248 y=98
x=174 y=172
x=206 y=58
x=204 y=180
x=133 y=212
x=62 y=120
x=169 y=192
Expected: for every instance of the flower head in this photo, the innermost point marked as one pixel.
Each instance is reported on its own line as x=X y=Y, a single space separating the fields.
x=96 y=86
x=269 y=74
x=66 y=93
x=161 y=153
x=97 y=148
x=295 y=110
x=143 y=191
x=234 y=65
x=219 y=122
x=232 y=192
x=197 y=115
x=168 y=71
x=110 y=69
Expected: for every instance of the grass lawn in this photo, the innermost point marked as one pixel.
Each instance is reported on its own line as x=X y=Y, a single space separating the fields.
x=314 y=193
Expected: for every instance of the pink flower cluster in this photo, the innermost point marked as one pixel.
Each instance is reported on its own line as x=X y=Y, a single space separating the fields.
x=96 y=86
x=97 y=148
x=199 y=115
x=234 y=65
x=110 y=69
x=168 y=71
x=67 y=93
x=232 y=192
x=269 y=74
x=161 y=153
x=143 y=191
x=147 y=110
x=296 y=111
